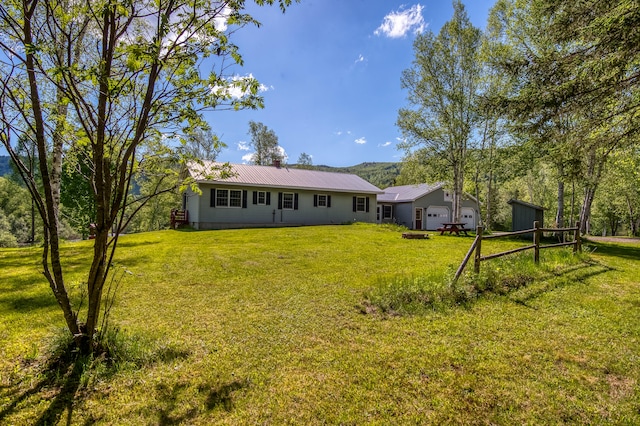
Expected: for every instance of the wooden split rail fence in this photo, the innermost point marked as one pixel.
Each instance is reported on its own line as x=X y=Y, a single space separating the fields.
x=537 y=231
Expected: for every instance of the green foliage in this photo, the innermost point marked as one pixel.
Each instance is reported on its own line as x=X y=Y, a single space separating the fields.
x=77 y=197
x=15 y=214
x=7 y=239
x=305 y=161
x=402 y=295
x=265 y=143
x=443 y=86
x=575 y=94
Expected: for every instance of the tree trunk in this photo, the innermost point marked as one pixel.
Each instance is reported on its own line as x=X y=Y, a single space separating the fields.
x=585 y=210
x=51 y=251
x=560 y=212
x=458 y=179
x=632 y=220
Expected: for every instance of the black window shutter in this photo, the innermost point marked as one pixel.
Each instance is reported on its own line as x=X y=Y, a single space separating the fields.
x=328 y=200
x=315 y=200
x=212 y=202
x=355 y=203
x=255 y=197
x=244 y=199
x=367 y=202
x=295 y=201
x=268 y=198
x=279 y=200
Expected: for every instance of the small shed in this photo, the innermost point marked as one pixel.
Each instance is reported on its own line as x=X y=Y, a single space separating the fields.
x=524 y=214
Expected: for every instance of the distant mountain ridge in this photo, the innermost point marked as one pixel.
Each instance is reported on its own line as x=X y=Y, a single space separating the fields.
x=381 y=175
x=5 y=165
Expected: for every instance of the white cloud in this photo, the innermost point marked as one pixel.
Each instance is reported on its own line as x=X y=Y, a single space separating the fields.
x=360 y=59
x=243 y=146
x=283 y=153
x=398 y=23
x=361 y=141
x=220 y=21
x=247 y=158
x=387 y=143
x=237 y=87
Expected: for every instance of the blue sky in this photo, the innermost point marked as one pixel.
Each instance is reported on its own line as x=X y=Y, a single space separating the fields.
x=332 y=69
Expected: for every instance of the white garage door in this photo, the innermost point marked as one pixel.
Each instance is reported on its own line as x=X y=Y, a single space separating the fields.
x=468 y=217
x=436 y=216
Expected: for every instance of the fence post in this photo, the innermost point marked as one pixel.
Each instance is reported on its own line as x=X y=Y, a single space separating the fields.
x=577 y=247
x=476 y=263
x=536 y=241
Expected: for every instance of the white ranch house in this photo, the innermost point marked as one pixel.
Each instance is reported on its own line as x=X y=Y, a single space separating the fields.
x=424 y=207
x=261 y=196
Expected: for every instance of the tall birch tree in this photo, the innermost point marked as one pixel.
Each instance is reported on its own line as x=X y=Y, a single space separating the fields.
x=442 y=86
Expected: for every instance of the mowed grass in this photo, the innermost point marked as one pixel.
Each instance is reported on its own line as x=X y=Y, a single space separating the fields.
x=270 y=326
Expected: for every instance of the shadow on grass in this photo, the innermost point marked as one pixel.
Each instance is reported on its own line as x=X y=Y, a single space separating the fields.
x=617 y=250
x=62 y=372
x=129 y=243
x=565 y=277
x=171 y=401
x=27 y=303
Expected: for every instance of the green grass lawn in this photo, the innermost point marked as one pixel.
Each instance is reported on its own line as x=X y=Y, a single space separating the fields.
x=267 y=326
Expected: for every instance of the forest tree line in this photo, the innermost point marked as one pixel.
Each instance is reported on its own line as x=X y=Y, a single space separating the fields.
x=541 y=105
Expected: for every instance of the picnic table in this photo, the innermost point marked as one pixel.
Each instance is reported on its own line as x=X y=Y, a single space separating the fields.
x=453 y=227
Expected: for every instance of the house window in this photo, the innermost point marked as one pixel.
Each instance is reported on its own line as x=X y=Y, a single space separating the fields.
x=262 y=198
x=235 y=198
x=361 y=204
x=321 y=200
x=287 y=200
x=222 y=197
x=228 y=198
x=386 y=212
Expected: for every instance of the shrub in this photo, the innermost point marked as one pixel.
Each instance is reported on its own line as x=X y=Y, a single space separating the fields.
x=401 y=295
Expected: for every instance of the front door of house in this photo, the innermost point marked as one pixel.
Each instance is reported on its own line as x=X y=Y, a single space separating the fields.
x=418 y=219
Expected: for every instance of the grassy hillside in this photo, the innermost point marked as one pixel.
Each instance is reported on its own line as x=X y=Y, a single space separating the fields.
x=267 y=326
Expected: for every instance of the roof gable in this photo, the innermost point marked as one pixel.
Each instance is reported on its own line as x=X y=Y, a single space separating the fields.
x=283 y=177
x=406 y=193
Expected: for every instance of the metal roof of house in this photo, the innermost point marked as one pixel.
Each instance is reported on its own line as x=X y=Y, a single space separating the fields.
x=283 y=177
x=407 y=193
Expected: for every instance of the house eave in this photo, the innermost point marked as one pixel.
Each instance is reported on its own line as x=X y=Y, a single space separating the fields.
x=285 y=187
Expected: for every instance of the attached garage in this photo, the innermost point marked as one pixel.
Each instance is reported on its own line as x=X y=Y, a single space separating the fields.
x=436 y=216
x=424 y=206
x=468 y=217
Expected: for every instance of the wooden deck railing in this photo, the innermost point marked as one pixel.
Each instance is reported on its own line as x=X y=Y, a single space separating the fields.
x=476 y=247
x=179 y=217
